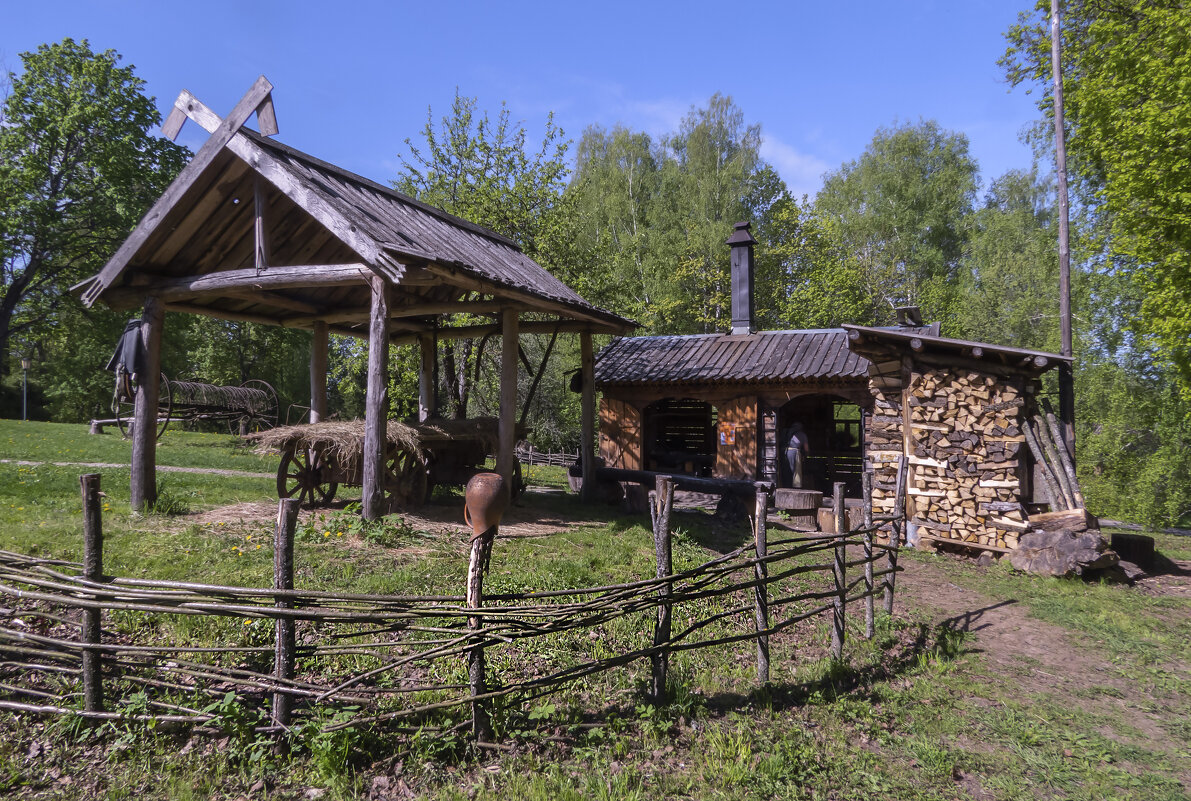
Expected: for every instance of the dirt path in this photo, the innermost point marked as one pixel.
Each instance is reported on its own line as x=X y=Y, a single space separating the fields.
x=1038 y=657
x=164 y=468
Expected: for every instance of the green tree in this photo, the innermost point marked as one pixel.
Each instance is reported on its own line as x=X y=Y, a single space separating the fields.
x=1127 y=99
x=899 y=213
x=484 y=171
x=77 y=169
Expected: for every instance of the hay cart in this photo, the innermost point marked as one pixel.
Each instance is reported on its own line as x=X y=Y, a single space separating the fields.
x=248 y=408
x=317 y=458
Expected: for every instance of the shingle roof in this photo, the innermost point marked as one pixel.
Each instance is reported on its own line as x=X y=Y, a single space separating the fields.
x=765 y=356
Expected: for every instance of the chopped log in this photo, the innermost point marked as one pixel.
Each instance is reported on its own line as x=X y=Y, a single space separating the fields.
x=1070 y=519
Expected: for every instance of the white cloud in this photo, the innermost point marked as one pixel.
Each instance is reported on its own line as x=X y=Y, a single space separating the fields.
x=802 y=172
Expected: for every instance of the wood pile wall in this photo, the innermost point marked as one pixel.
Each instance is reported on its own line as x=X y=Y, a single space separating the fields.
x=961 y=431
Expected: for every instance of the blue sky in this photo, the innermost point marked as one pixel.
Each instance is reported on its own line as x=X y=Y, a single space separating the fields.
x=354 y=79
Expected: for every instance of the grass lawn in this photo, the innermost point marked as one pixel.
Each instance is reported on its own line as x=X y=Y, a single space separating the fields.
x=943 y=704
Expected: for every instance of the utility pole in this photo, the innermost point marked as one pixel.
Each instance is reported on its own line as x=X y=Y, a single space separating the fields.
x=1066 y=377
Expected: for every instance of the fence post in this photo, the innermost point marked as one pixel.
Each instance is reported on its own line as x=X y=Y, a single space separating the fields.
x=284 y=656
x=841 y=554
x=866 y=485
x=761 y=591
x=661 y=507
x=481 y=548
x=895 y=534
x=92 y=571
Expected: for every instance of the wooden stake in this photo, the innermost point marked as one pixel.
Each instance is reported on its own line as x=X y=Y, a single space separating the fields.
x=866 y=484
x=663 y=504
x=93 y=571
x=376 y=409
x=144 y=433
x=481 y=548
x=897 y=527
x=1057 y=501
x=841 y=556
x=283 y=579
x=1065 y=458
x=760 y=592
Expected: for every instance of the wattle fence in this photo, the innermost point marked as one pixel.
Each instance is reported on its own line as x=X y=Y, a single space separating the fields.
x=402 y=661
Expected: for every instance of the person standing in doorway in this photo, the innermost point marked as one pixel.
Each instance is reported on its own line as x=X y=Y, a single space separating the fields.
x=797 y=448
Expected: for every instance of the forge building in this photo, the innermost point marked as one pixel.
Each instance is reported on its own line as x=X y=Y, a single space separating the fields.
x=720 y=406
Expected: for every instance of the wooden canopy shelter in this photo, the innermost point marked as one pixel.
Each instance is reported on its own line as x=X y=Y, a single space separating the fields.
x=253 y=230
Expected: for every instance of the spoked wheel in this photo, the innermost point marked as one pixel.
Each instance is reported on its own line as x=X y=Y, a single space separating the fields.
x=260 y=410
x=126 y=409
x=304 y=474
x=405 y=479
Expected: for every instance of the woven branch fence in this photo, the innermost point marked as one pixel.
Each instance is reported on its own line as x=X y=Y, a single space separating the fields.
x=405 y=660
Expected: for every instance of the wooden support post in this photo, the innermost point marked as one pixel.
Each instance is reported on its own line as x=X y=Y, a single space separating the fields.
x=283 y=579
x=481 y=551
x=508 y=397
x=144 y=433
x=866 y=485
x=92 y=571
x=426 y=388
x=318 y=373
x=761 y=592
x=661 y=504
x=896 y=529
x=587 y=447
x=838 y=572
x=376 y=411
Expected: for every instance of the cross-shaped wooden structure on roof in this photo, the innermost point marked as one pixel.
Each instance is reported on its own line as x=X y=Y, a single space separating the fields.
x=253 y=230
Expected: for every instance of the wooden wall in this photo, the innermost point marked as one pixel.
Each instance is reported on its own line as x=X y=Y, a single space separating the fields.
x=620 y=434
x=736 y=437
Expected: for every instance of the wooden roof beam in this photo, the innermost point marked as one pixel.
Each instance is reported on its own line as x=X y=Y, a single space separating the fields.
x=461 y=279
x=240 y=280
x=360 y=313
x=525 y=327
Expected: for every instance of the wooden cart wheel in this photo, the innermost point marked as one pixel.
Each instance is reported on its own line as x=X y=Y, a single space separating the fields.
x=126 y=409
x=405 y=479
x=302 y=474
x=259 y=416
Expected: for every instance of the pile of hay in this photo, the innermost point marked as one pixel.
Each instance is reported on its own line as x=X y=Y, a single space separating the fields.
x=343 y=441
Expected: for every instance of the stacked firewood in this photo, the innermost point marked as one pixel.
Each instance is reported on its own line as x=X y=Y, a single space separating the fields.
x=883 y=435
x=964 y=441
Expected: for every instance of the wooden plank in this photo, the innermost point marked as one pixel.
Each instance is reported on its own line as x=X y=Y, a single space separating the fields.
x=143 y=466
x=266 y=116
x=220 y=136
x=318 y=373
x=508 y=397
x=376 y=409
x=216 y=284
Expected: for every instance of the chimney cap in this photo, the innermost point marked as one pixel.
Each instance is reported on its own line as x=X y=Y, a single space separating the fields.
x=741 y=236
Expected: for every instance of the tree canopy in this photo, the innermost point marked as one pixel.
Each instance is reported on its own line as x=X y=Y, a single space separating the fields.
x=78 y=167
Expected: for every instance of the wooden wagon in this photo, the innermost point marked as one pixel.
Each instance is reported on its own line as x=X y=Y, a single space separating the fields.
x=317 y=458
x=245 y=409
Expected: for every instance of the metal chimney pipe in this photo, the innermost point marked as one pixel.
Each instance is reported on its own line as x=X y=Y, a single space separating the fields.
x=741 y=242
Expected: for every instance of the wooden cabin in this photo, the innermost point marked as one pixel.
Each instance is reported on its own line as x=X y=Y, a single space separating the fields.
x=721 y=406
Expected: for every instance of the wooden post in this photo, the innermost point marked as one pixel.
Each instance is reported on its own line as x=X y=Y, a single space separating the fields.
x=838 y=571
x=144 y=433
x=481 y=549
x=587 y=452
x=1066 y=377
x=660 y=507
x=92 y=571
x=866 y=485
x=761 y=592
x=896 y=528
x=376 y=412
x=318 y=373
x=283 y=579
x=426 y=389
x=508 y=397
